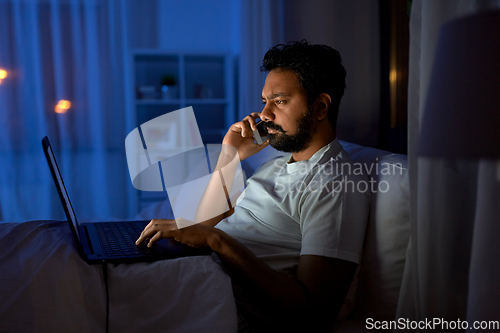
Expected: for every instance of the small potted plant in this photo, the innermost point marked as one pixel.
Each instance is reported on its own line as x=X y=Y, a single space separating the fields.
x=168 y=87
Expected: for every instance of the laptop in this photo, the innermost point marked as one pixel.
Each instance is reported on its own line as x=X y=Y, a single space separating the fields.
x=114 y=241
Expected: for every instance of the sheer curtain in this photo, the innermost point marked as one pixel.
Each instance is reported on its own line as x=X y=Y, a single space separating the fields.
x=262 y=27
x=452 y=262
x=55 y=50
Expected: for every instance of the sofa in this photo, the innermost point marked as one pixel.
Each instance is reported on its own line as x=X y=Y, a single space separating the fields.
x=45 y=286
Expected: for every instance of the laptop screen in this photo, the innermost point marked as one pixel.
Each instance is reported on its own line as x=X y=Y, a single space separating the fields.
x=68 y=208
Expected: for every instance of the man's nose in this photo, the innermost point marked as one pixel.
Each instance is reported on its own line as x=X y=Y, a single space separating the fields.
x=267 y=114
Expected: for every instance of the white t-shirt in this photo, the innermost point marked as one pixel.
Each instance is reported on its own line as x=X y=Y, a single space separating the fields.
x=311 y=207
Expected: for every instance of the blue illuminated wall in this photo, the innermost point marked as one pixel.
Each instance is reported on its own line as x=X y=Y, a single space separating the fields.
x=48 y=59
x=88 y=69
x=211 y=26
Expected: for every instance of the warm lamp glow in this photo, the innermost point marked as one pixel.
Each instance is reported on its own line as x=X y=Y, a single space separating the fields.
x=393 y=76
x=3 y=75
x=62 y=106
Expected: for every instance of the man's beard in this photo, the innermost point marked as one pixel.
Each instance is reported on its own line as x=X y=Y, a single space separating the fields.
x=295 y=142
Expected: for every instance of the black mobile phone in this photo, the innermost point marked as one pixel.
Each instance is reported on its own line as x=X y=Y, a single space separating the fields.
x=260 y=135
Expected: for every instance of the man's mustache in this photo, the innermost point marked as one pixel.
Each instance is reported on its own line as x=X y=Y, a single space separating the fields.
x=270 y=125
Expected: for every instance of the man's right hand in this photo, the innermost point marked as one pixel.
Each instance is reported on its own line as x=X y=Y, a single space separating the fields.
x=165 y=224
x=240 y=136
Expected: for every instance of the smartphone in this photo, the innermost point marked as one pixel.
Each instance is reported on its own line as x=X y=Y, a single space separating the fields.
x=260 y=135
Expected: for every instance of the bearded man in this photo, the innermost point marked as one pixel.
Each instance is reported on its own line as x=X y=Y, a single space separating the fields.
x=292 y=245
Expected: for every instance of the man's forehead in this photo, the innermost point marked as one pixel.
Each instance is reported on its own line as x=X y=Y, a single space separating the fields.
x=280 y=83
x=275 y=95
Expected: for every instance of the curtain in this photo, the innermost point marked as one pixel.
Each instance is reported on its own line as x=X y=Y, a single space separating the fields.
x=451 y=269
x=262 y=27
x=63 y=50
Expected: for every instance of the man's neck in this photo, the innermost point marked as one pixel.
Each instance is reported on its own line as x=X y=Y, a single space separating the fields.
x=315 y=145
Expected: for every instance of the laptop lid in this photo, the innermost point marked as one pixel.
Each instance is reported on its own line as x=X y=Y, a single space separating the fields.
x=61 y=189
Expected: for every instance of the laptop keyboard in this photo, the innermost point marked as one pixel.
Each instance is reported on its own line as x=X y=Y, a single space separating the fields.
x=118 y=239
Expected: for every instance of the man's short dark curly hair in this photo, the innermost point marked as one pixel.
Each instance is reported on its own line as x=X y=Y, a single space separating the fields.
x=318 y=68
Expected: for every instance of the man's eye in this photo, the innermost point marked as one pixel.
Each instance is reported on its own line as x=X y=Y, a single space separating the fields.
x=280 y=102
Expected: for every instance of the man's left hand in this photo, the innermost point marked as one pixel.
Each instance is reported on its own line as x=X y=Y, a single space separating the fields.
x=197 y=235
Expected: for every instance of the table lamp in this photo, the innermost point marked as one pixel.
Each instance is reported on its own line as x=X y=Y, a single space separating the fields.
x=462 y=114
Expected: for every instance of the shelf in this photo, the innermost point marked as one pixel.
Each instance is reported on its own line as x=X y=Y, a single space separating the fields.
x=157 y=101
x=206 y=101
x=204 y=76
x=203 y=81
x=188 y=102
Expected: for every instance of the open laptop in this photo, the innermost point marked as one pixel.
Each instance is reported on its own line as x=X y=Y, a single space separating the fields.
x=112 y=241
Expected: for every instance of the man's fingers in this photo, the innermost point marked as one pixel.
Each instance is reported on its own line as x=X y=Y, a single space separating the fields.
x=155 y=238
x=155 y=227
x=150 y=224
x=248 y=129
x=141 y=238
x=236 y=127
x=243 y=127
x=161 y=234
x=247 y=125
x=145 y=234
x=158 y=222
x=251 y=120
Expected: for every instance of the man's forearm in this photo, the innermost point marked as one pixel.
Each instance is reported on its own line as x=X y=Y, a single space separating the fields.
x=214 y=220
x=216 y=196
x=286 y=296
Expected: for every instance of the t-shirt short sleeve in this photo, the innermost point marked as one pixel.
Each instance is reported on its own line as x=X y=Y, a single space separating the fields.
x=333 y=219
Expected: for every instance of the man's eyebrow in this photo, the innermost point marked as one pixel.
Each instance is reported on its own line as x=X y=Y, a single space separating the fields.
x=273 y=96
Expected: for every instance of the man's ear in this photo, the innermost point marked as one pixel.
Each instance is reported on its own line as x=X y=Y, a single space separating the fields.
x=322 y=105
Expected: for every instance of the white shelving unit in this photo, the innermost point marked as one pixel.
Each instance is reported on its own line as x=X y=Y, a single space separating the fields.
x=203 y=81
